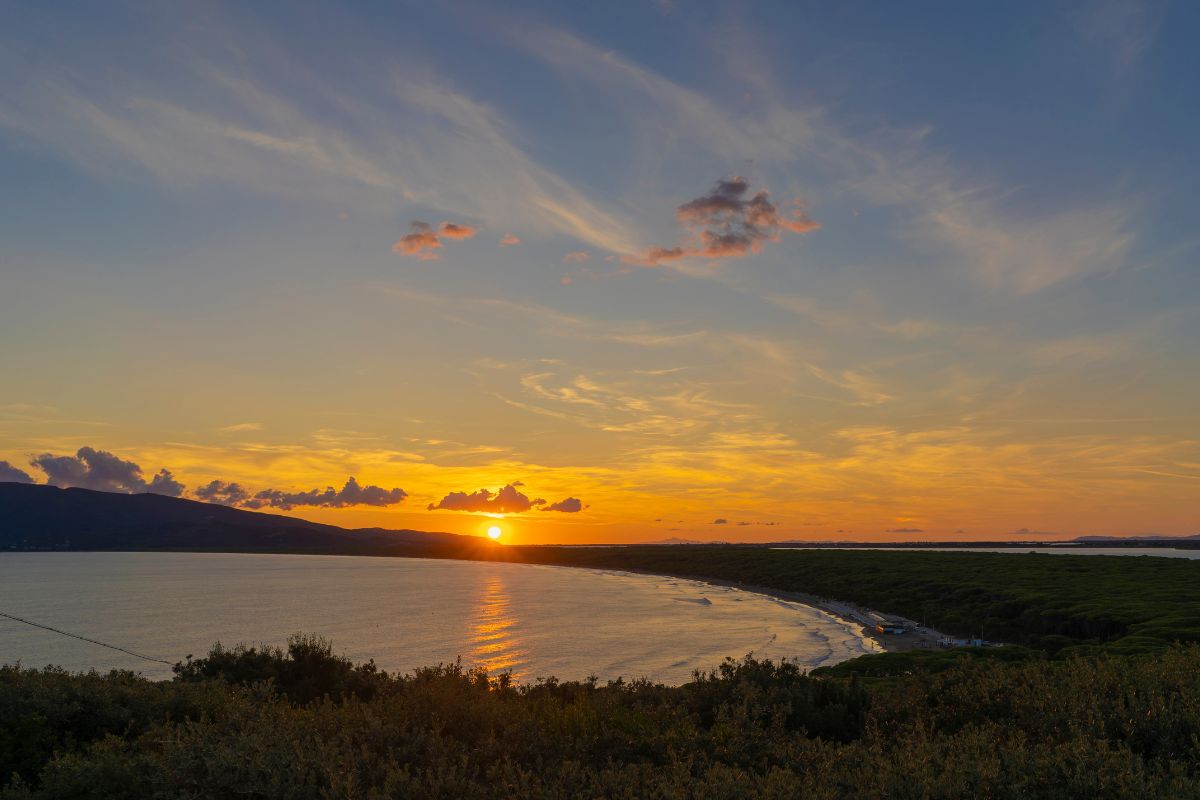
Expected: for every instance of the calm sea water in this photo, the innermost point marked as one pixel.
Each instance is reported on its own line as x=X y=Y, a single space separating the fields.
x=536 y=621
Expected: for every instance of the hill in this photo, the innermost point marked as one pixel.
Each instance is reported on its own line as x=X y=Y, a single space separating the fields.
x=39 y=517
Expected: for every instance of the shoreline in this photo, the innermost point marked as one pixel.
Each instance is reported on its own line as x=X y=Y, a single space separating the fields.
x=919 y=638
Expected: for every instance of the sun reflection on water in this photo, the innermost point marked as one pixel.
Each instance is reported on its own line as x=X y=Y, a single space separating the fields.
x=496 y=648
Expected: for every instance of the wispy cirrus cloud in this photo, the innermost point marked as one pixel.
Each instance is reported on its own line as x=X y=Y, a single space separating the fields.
x=405 y=137
x=1123 y=30
x=241 y=427
x=970 y=224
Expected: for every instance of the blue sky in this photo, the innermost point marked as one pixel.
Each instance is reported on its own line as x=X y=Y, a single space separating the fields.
x=973 y=305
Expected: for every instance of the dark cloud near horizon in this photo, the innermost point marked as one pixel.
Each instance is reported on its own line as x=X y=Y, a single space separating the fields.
x=11 y=474
x=725 y=223
x=352 y=494
x=222 y=493
x=100 y=470
x=904 y=530
x=1027 y=532
x=720 y=521
x=508 y=500
x=570 y=505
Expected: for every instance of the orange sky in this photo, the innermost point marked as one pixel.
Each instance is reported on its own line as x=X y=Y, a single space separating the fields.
x=769 y=268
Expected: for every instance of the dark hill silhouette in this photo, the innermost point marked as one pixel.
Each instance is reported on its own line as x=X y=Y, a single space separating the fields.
x=39 y=517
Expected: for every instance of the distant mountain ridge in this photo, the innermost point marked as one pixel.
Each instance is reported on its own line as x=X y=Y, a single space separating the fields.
x=41 y=517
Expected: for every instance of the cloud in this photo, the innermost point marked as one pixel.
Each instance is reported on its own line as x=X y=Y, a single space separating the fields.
x=392 y=143
x=164 y=483
x=904 y=530
x=509 y=500
x=1039 y=534
x=422 y=240
x=571 y=505
x=105 y=472
x=972 y=224
x=241 y=427
x=508 y=240
x=10 y=474
x=420 y=243
x=452 y=230
x=576 y=257
x=720 y=521
x=1122 y=30
x=726 y=223
x=352 y=494
x=226 y=494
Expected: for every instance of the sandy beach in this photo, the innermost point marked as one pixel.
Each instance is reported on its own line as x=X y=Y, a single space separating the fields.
x=917 y=637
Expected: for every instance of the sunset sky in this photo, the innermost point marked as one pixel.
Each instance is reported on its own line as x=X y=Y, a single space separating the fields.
x=717 y=271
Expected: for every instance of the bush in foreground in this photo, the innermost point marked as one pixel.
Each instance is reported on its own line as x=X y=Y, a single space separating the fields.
x=304 y=723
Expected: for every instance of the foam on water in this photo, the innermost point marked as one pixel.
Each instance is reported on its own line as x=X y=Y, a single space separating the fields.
x=532 y=620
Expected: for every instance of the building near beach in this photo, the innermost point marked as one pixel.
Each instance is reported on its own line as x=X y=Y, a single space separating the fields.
x=889 y=625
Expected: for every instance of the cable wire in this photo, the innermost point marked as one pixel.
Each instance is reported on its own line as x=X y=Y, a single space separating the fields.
x=84 y=639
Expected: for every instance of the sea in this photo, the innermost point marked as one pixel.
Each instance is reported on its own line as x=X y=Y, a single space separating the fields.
x=532 y=621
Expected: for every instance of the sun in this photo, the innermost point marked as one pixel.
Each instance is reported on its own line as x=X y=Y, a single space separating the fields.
x=494 y=532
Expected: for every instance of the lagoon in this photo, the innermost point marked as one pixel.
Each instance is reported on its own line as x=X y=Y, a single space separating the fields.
x=532 y=620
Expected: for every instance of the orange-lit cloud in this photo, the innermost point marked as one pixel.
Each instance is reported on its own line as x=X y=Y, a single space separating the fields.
x=422 y=241
x=508 y=240
x=241 y=427
x=726 y=224
x=451 y=230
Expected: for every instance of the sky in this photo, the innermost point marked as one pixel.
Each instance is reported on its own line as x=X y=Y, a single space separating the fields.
x=610 y=272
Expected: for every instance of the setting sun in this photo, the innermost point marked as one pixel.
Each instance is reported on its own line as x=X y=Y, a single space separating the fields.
x=494 y=532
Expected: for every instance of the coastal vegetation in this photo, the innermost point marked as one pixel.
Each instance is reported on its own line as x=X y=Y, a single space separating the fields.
x=302 y=722
x=1059 y=605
